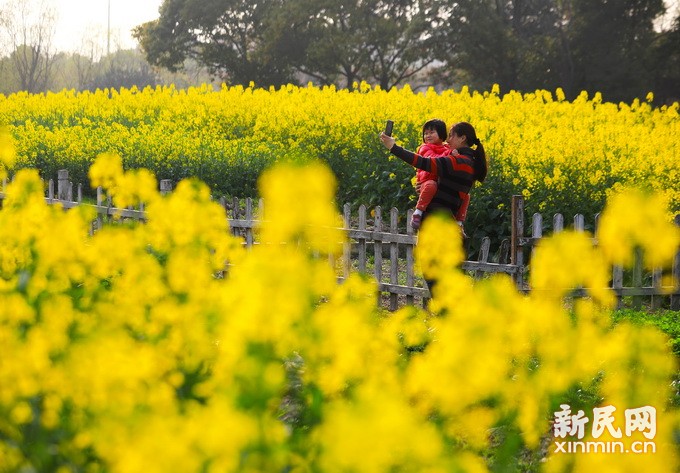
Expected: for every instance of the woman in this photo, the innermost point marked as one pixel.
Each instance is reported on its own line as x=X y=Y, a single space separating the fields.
x=456 y=172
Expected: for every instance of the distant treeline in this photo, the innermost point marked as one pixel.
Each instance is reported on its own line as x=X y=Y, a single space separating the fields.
x=621 y=49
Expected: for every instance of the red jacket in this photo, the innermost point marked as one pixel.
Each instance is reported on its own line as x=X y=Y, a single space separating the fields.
x=430 y=150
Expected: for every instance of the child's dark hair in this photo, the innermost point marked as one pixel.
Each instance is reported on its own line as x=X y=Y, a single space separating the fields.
x=437 y=125
x=468 y=131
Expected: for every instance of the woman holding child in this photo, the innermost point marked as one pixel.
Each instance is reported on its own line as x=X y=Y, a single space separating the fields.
x=456 y=172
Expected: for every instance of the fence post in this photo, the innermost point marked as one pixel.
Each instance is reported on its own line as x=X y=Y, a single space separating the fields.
x=394 y=257
x=166 y=186
x=347 y=245
x=656 y=285
x=637 y=277
x=558 y=223
x=617 y=285
x=410 y=262
x=250 y=239
x=517 y=232
x=504 y=251
x=483 y=255
x=536 y=230
x=361 y=241
x=579 y=223
x=62 y=184
x=378 y=248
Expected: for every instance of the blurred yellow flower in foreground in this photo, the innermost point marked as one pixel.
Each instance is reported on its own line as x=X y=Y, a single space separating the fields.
x=635 y=219
x=7 y=152
x=168 y=336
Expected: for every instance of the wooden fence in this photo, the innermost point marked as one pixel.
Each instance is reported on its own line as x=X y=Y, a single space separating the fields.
x=378 y=245
x=641 y=284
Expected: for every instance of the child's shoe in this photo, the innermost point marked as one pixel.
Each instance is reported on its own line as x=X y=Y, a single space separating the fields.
x=415 y=221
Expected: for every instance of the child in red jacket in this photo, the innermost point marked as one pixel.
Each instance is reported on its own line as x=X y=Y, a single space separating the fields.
x=434 y=145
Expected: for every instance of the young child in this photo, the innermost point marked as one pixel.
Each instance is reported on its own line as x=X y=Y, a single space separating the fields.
x=434 y=145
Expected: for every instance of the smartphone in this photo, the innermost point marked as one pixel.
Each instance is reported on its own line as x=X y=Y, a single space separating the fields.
x=388 y=127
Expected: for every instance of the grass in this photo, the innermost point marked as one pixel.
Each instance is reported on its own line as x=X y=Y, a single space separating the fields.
x=507 y=452
x=668 y=321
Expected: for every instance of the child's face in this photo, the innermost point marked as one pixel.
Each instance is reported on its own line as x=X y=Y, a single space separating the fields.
x=430 y=136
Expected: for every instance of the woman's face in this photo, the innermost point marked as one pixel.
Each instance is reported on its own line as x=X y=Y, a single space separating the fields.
x=456 y=141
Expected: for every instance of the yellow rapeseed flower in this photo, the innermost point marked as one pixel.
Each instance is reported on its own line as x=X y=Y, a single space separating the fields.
x=635 y=219
x=7 y=152
x=169 y=336
x=566 y=261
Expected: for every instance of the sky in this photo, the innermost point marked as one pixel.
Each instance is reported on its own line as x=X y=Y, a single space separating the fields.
x=79 y=19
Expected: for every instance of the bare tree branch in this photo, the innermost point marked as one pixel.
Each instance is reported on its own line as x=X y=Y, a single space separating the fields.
x=29 y=26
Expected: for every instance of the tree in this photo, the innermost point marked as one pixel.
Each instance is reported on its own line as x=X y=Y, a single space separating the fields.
x=123 y=68
x=322 y=39
x=507 y=42
x=384 y=42
x=8 y=80
x=85 y=61
x=573 y=44
x=224 y=35
x=402 y=39
x=191 y=74
x=610 y=44
x=666 y=64
x=267 y=42
x=29 y=30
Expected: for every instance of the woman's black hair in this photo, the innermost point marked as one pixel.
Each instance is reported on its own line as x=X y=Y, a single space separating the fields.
x=468 y=131
x=437 y=125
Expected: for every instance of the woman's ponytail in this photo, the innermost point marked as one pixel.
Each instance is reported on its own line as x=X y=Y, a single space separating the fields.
x=481 y=166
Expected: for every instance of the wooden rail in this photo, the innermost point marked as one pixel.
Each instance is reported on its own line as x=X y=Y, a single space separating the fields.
x=377 y=244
